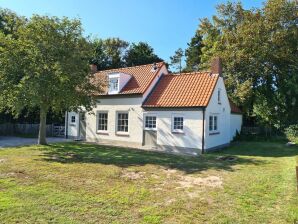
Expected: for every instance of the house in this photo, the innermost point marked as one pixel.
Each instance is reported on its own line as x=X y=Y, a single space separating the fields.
x=148 y=107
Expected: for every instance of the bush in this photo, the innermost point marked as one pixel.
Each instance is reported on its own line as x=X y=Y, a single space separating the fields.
x=291 y=132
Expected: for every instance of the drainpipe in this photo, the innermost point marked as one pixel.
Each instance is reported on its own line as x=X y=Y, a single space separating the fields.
x=203 y=133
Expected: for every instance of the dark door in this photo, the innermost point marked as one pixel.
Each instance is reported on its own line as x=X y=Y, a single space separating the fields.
x=82 y=129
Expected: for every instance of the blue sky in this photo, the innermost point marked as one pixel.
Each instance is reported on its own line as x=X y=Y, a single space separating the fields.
x=165 y=24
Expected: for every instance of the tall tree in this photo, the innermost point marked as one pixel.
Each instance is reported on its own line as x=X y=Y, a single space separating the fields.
x=193 y=53
x=109 y=53
x=260 y=57
x=140 y=54
x=10 y=22
x=46 y=66
x=176 y=60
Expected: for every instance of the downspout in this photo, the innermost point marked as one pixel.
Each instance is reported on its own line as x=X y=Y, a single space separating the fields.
x=203 y=133
x=66 y=126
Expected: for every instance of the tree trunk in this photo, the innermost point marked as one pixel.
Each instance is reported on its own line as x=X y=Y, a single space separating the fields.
x=42 y=127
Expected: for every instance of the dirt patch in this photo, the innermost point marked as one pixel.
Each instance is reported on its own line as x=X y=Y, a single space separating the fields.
x=210 y=181
x=2 y=160
x=131 y=175
x=18 y=174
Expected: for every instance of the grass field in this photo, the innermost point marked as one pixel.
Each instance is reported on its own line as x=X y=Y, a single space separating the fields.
x=82 y=183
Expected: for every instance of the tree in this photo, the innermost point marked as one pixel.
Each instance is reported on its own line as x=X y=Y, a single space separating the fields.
x=46 y=66
x=109 y=53
x=140 y=54
x=176 y=60
x=260 y=57
x=10 y=22
x=193 y=53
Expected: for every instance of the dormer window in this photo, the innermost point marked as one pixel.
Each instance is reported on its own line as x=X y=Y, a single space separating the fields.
x=114 y=85
x=117 y=81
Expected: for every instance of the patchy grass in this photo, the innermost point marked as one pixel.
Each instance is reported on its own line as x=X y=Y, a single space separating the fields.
x=82 y=183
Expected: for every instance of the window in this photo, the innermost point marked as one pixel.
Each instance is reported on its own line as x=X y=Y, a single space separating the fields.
x=122 y=123
x=150 y=122
x=177 y=123
x=113 y=85
x=213 y=125
x=219 y=96
x=102 y=121
x=73 y=119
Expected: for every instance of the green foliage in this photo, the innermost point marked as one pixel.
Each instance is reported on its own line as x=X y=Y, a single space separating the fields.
x=140 y=54
x=193 y=53
x=10 y=22
x=260 y=57
x=45 y=65
x=176 y=60
x=292 y=132
x=109 y=53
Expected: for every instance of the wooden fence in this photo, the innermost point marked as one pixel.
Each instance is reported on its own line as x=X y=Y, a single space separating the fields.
x=30 y=129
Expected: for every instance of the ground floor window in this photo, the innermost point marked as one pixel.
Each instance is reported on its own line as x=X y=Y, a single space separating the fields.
x=102 y=121
x=150 y=122
x=213 y=123
x=177 y=123
x=122 y=122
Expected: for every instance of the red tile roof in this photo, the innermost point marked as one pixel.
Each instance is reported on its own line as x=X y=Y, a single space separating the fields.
x=234 y=108
x=142 y=76
x=184 y=90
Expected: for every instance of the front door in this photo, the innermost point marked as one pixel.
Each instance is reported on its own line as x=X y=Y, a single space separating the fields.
x=82 y=128
x=150 y=138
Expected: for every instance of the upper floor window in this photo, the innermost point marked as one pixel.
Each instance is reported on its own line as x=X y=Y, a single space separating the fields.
x=219 y=96
x=113 y=85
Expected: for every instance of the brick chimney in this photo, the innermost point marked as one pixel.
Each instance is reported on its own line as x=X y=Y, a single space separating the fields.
x=93 y=68
x=216 y=66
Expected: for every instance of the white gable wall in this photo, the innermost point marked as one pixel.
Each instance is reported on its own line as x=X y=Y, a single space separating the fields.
x=236 y=123
x=223 y=112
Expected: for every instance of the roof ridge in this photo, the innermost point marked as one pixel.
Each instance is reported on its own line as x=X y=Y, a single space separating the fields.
x=137 y=66
x=189 y=73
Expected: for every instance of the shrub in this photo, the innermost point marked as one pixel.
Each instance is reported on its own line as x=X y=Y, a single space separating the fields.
x=291 y=132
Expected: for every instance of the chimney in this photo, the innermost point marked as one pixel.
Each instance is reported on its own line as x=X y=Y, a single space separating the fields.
x=93 y=68
x=216 y=66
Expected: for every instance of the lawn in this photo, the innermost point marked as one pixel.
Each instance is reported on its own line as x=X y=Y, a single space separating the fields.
x=82 y=183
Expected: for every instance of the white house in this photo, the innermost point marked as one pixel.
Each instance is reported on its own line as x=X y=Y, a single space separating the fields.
x=145 y=106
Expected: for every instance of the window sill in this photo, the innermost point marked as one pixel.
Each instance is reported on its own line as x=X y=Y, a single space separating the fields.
x=102 y=133
x=122 y=133
x=178 y=132
x=150 y=129
x=214 y=133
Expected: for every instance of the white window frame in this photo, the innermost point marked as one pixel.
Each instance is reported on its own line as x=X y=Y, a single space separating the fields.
x=97 y=120
x=213 y=118
x=113 y=90
x=219 y=96
x=117 y=121
x=183 y=123
x=71 y=121
x=150 y=115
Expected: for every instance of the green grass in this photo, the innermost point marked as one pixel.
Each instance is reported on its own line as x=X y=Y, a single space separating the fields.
x=82 y=183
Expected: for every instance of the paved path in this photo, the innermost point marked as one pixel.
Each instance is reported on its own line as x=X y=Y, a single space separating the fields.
x=6 y=141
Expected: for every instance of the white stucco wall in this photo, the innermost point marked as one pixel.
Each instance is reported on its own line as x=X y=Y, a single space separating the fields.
x=112 y=105
x=72 y=127
x=223 y=112
x=236 y=123
x=192 y=133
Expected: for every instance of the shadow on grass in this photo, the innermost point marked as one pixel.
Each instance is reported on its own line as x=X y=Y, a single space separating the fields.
x=262 y=149
x=121 y=157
